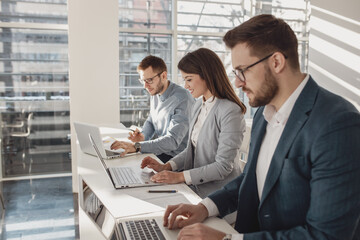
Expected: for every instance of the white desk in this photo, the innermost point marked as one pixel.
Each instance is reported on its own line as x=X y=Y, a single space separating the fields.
x=127 y=202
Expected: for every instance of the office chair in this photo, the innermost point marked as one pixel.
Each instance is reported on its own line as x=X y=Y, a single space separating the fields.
x=19 y=122
x=23 y=134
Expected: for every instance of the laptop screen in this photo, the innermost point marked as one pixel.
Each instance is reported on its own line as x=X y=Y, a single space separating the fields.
x=98 y=213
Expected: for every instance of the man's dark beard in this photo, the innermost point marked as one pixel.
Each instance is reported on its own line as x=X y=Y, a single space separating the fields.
x=267 y=91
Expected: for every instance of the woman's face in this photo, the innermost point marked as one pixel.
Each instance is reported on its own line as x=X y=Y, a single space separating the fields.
x=196 y=85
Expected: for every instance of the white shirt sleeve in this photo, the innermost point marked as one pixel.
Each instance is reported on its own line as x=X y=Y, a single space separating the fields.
x=214 y=211
x=238 y=236
x=210 y=206
x=187 y=177
x=173 y=165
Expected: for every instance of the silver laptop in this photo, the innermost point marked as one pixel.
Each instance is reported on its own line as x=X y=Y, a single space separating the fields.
x=113 y=229
x=133 y=227
x=83 y=130
x=125 y=177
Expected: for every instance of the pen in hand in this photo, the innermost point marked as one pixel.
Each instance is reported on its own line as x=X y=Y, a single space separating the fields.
x=113 y=138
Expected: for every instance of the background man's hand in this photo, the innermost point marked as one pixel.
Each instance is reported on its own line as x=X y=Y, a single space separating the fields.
x=128 y=147
x=136 y=136
x=181 y=215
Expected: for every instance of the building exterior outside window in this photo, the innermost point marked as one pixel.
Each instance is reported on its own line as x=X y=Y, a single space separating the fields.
x=170 y=29
x=34 y=89
x=34 y=83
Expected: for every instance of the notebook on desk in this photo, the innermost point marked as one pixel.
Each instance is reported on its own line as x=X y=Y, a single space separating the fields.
x=125 y=177
x=83 y=130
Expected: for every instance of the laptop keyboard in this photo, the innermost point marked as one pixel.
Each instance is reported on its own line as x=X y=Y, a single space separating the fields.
x=125 y=175
x=144 y=229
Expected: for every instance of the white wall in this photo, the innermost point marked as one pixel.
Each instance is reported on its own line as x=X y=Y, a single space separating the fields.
x=93 y=66
x=334 y=53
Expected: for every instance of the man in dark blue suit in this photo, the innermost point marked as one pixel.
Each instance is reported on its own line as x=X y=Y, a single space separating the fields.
x=302 y=179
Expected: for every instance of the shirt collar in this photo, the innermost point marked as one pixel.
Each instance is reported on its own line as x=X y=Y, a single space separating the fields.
x=281 y=117
x=209 y=102
x=167 y=92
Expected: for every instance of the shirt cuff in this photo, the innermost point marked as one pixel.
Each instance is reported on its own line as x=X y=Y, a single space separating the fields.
x=173 y=165
x=210 y=206
x=187 y=177
x=237 y=236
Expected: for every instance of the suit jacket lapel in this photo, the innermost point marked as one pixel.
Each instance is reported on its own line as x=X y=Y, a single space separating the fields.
x=296 y=121
x=257 y=135
x=192 y=123
x=189 y=161
x=248 y=201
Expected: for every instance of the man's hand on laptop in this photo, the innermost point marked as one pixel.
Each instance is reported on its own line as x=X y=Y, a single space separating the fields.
x=200 y=231
x=128 y=147
x=136 y=136
x=181 y=215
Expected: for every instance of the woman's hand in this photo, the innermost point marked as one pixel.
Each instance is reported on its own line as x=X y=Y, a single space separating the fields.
x=154 y=164
x=168 y=177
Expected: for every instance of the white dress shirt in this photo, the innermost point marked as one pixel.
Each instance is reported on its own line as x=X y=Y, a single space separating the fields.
x=204 y=112
x=276 y=124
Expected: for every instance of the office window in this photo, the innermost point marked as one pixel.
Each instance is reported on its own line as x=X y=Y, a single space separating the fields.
x=188 y=43
x=34 y=11
x=142 y=14
x=208 y=16
x=134 y=100
x=197 y=23
x=34 y=88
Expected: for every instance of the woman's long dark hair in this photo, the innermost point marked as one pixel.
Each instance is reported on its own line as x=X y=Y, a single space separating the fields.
x=208 y=65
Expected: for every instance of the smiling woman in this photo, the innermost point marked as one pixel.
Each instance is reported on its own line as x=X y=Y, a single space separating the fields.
x=216 y=128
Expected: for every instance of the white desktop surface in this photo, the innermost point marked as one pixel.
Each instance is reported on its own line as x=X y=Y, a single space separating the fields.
x=127 y=202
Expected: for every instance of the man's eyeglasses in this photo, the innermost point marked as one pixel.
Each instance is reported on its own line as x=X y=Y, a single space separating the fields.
x=240 y=72
x=149 y=80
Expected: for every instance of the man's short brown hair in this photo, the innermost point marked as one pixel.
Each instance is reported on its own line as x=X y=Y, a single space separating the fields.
x=265 y=34
x=157 y=64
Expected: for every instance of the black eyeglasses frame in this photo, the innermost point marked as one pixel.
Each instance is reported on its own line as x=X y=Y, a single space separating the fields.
x=149 y=80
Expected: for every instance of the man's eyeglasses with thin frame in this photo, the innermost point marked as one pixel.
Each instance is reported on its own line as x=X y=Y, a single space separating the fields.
x=241 y=76
x=150 y=80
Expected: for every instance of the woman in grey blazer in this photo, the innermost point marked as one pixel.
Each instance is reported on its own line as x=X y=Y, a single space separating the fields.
x=216 y=130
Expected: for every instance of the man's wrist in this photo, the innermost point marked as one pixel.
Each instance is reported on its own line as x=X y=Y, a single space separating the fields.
x=137 y=147
x=203 y=208
x=167 y=166
x=181 y=177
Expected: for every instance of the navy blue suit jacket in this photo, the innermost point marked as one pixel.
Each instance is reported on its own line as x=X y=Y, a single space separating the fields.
x=312 y=189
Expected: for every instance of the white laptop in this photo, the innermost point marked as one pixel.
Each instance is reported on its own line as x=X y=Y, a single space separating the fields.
x=125 y=177
x=83 y=130
x=135 y=227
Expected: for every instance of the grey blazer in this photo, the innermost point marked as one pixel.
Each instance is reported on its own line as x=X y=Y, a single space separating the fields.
x=215 y=160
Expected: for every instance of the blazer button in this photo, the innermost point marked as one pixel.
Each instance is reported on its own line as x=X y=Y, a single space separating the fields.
x=266 y=215
x=201 y=180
